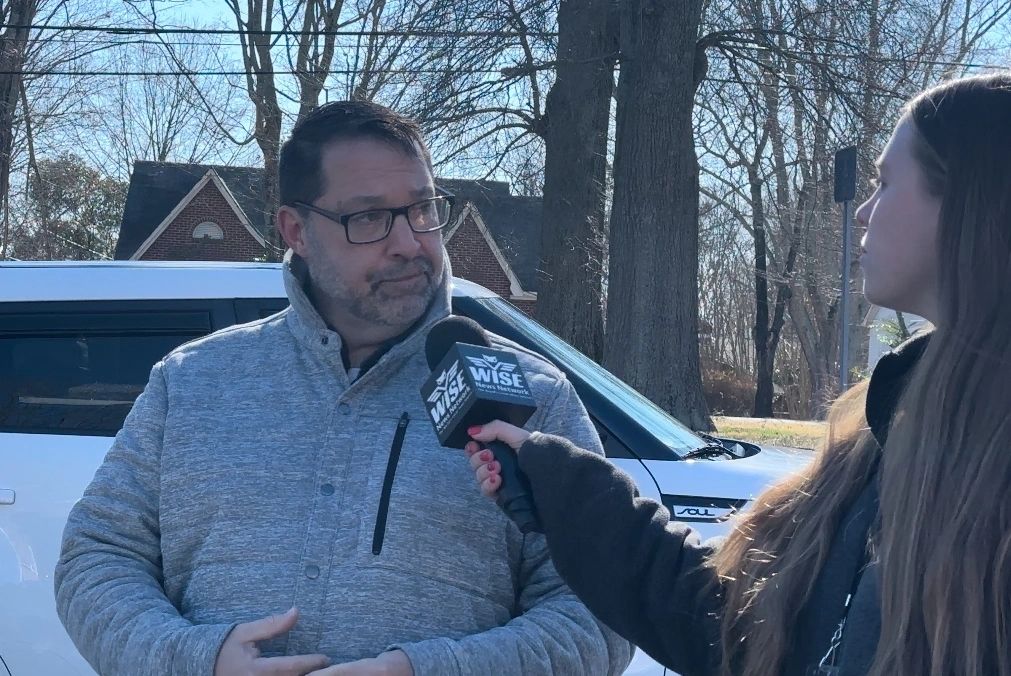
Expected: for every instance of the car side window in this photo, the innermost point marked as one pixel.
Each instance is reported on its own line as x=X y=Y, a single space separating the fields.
x=251 y=309
x=271 y=308
x=80 y=372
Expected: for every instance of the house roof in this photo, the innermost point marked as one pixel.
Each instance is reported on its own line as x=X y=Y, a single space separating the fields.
x=156 y=188
x=211 y=177
x=514 y=220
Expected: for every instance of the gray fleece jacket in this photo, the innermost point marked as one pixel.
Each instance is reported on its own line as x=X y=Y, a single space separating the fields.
x=249 y=478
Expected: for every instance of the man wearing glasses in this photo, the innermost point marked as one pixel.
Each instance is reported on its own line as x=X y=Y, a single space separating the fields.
x=289 y=464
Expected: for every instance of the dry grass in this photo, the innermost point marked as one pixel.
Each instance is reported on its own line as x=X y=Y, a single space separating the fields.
x=772 y=431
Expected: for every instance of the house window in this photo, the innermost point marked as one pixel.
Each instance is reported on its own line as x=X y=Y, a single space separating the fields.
x=208 y=230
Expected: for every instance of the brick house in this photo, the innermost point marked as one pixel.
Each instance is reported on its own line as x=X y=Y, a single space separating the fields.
x=495 y=239
x=214 y=213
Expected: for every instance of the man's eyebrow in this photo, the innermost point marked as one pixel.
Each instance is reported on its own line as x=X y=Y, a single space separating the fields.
x=369 y=201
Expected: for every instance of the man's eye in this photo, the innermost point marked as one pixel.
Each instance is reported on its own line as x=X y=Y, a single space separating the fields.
x=371 y=217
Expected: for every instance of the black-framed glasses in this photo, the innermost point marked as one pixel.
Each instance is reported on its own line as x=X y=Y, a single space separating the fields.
x=373 y=225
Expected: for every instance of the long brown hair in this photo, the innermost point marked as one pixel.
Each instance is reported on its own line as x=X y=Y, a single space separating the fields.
x=945 y=473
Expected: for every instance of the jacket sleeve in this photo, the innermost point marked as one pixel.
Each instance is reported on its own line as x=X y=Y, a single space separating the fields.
x=644 y=576
x=108 y=580
x=553 y=631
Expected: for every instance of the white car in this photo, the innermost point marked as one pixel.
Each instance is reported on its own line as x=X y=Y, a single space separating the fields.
x=77 y=341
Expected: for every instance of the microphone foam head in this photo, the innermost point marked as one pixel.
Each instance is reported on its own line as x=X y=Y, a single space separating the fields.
x=454 y=329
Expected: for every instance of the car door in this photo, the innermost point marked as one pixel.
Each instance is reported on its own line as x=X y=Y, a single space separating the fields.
x=69 y=373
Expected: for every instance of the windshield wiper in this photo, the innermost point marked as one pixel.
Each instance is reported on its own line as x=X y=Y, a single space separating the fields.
x=708 y=451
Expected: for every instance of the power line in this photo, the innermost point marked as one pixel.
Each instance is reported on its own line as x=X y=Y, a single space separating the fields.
x=170 y=73
x=488 y=71
x=873 y=59
x=178 y=43
x=188 y=73
x=887 y=60
x=130 y=30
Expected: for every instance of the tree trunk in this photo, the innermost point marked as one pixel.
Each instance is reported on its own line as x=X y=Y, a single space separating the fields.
x=764 y=357
x=767 y=337
x=652 y=310
x=268 y=138
x=271 y=191
x=262 y=90
x=13 y=45
x=570 y=297
x=312 y=64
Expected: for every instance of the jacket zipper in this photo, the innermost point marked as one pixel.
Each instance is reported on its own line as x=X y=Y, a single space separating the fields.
x=391 y=470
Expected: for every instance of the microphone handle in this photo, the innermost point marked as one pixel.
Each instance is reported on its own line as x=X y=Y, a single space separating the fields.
x=515 y=497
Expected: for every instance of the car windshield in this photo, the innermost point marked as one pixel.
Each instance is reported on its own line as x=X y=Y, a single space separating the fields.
x=668 y=430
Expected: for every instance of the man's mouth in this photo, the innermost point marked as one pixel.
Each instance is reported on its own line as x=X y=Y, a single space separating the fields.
x=405 y=278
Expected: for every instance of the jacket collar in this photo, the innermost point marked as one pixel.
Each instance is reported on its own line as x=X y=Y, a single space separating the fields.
x=312 y=332
x=889 y=381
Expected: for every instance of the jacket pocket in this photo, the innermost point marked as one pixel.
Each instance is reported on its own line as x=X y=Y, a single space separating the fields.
x=423 y=515
x=379 y=534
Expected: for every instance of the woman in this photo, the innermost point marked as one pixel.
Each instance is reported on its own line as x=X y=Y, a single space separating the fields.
x=892 y=554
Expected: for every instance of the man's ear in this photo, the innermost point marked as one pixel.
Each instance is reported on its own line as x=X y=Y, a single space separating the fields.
x=292 y=226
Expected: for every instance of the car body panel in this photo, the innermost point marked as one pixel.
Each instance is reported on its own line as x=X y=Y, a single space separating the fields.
x=47 y=472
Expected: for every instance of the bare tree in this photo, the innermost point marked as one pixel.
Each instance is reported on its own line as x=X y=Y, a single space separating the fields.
x=158 y=117
x=44 y=81
x=800 y=80
x=256 y=21
x=16 y=16
x=726 y=309
x=288 y=54
x=652 y=310
x=483 y=104
x=570 y=297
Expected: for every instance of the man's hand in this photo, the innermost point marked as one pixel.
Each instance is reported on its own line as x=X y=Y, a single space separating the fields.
x=239 y=655
x=393 y=663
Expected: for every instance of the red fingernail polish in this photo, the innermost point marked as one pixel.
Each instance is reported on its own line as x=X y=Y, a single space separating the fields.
x=486 y=455
x=473 y=430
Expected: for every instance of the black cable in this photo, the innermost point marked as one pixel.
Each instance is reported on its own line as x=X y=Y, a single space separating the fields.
x=129 y=30
x=187 y=73
x=886 y=60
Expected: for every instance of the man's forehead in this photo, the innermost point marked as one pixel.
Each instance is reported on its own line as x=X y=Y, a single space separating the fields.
x=366 y=152
x=368 y=172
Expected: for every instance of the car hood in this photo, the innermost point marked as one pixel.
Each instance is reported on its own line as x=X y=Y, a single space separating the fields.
x=738 y=479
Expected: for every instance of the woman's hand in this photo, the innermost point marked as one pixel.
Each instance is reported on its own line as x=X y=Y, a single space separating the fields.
x=486 y=469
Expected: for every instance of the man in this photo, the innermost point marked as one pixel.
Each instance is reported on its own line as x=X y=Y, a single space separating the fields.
x=289 y=463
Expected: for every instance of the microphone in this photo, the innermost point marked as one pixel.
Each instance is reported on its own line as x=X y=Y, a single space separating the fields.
x=471 y=384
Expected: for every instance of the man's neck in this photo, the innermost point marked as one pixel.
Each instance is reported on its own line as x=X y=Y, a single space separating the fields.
x=359 y=355
x=361 y=338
